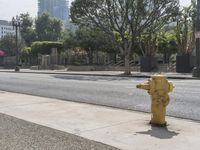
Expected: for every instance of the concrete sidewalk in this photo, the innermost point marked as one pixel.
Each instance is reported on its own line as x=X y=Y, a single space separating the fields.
x=170 y=75
x=123 y=129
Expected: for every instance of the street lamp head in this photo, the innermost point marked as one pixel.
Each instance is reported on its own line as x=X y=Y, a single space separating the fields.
x=16 y=21
x=13 y=21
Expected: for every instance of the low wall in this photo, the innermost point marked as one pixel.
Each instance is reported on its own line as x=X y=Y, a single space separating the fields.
x=161 y=68
x=99 y=68
x=52 y=67
x=9 y=62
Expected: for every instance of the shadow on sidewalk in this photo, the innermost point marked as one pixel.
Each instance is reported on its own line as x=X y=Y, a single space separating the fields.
x=158 y=132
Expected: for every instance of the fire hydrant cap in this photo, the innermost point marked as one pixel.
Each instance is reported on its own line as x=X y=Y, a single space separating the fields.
x=158 y=76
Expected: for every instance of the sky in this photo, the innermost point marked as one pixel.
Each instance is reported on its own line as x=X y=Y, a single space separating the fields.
x=10 y=8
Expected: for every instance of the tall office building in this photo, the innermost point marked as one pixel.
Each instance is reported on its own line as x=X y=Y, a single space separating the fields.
x=6 y=28
x=55 y=8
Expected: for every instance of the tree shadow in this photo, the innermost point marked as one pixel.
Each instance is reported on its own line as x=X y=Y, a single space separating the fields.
x=159 y=132
x=92 y=78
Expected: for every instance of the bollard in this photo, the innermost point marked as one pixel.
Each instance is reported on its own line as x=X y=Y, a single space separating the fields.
x=158 y=87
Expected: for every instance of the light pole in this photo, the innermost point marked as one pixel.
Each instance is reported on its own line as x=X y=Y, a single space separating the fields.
x=16 y=23
x=196 y=71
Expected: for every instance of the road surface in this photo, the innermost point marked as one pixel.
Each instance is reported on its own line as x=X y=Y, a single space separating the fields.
x=119 y=92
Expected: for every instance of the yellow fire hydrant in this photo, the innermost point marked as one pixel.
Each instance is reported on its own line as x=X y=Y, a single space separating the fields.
x=158 y=87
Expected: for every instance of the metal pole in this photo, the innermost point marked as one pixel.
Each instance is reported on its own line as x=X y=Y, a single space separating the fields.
x=16 y=26
x=16 y=45
x=196 y=71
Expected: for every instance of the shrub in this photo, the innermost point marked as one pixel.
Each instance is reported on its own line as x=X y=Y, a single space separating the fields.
x=44 y=47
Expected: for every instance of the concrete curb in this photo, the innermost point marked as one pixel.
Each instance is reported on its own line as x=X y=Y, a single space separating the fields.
x=106 y=75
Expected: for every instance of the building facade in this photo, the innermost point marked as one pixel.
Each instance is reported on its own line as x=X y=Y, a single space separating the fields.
x=6 y=28
x=55 y=8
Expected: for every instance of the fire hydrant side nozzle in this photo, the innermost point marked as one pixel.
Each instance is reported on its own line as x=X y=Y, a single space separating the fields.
x=144 y=86
x=158 y=87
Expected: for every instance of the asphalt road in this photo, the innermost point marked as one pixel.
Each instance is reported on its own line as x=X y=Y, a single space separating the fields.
x=117 y=92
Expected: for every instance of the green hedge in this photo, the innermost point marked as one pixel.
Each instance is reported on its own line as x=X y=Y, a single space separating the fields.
x=26 y=51
x=44 y=47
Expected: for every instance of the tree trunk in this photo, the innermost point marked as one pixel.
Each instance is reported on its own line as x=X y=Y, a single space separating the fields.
x=126 y=52
x=165 y=56
x=90 y=55
x=127 y=70
x=115 y=57
x=127 y=65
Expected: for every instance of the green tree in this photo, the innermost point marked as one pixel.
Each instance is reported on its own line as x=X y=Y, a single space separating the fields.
x=48 y=28
x=91 y=40
x=26 y=30
x=25 y=54
x=167 y=44
x=185 y=29
x=8 y=43
x=70 y=41
x=127 y=19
